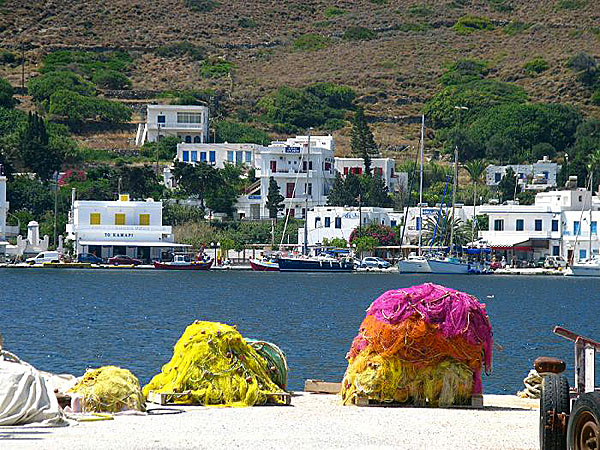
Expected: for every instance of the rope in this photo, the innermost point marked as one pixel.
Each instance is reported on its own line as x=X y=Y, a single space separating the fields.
x=533 y=385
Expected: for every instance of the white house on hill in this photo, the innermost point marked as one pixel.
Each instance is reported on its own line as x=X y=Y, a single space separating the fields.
x=187 y=122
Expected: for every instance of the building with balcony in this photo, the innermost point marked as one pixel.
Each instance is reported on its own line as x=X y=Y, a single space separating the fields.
x=383 y=167
x=121 y=227
x=557 y=224
x=187 y=122
x=218 y=154
x=537 y=177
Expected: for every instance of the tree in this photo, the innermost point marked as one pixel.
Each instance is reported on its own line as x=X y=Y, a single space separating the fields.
x=35 y=151
x=6 y=94
x=274 y=199
x=365 y=244
x=338 y=195
x=437 y=230
x=362 y=141
x=508 y=185
x=77 y=108
x=140 y=182
x=475 y=168
x=42 y=87
x=377 y=193
x=196 y=179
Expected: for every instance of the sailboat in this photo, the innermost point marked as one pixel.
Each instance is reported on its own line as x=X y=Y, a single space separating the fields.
x=416 y=262
x=591 y=266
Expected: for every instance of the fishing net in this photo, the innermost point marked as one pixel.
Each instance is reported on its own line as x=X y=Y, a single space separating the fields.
x=276 y=360
x=110 y=389
x=212 y=364
x=425 y=344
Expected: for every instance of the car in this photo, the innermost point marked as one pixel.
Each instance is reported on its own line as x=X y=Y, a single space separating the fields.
x=373 y=261
x=89 y=258
x=44 y=257
x=555 y=262
x=124 y=260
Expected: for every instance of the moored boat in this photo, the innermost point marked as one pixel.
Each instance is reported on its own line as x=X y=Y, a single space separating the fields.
x=184 y=262
x=589 y=268
x=264 y=265
x=414 y=264
x=317 y=264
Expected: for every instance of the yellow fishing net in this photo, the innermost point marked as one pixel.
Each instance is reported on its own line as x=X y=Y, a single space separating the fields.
x=110 y=389
x=214 y=365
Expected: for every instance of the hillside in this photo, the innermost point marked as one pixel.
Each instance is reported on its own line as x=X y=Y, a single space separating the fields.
x=394 y=70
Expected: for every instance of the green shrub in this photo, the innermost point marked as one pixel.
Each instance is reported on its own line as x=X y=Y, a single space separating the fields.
x=324 y=23
x=7 y=57
x=333 y=11
x=110 y=79
x=77 y=108
x=86 y=63
x=201 y=5
x=228 y=131
x=195 y=52
x=358 y=34
x=572 y=4
x=471 y=24
x=464 y=71
x=311 y=42
x=43 y=86
x=247 y=22
x=585 y=66
x=215 y=68
x=536 y=65
x=515 y=27
x=420 y=10
x=596 y=98
x=164 y=149
x=6 y=94
x=379 y=2
x=501 y=5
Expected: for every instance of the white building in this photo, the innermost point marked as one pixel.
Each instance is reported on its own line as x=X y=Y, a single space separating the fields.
x=557 y=224
x=383 y=167
x=187 y=122
x=416 y=217
x=219 y=154
x=122 y=227
x=537 y=176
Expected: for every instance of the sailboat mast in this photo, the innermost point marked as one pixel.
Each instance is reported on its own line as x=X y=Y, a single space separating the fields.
x=421 y=181
x=591 y=205
x=305 y=252
x=455 y=185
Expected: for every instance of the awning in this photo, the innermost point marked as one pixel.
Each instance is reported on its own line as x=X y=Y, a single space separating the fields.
x=134 y=244
x=509 y=243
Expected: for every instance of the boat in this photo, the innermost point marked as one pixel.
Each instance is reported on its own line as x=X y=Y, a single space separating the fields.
x=264 y=265
x=184 y=262
x=590 y=268
x=414 y=264
x=319 y=263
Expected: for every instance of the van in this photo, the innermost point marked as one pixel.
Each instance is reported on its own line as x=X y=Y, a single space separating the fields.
x=44 y=257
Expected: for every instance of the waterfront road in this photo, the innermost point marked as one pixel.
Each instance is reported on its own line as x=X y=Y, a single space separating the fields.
x=312 y=422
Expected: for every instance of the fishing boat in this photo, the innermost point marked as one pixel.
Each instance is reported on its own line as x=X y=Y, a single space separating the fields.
x=184 y=262
x=264 y=265
x=321 y=263
x=414 y=264
x=590 y=268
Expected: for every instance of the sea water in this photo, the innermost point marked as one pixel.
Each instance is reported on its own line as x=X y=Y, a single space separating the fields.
x=67 y=320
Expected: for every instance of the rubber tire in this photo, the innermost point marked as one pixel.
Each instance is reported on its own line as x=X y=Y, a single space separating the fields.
x=554 y=396
x=380 y=266
x=588 y=404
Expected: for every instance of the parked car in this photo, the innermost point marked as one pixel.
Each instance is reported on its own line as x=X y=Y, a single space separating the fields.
x=44 y=257
x=555 y=262
x=373 y=261
x=89 y=258
x=118 y=260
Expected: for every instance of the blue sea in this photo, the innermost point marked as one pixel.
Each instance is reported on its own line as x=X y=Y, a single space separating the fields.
x=68 y=320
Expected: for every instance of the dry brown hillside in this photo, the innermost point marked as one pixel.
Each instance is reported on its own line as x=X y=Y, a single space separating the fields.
x=394 y=73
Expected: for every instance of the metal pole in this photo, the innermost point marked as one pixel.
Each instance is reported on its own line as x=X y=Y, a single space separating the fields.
x=55 y=205
x=157 y=142
x=454 y=198
x=421 y=181
x=305 y=252
x=591 y=203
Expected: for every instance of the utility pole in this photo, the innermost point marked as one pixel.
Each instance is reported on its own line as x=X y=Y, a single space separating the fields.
x=421 y=182
x=306 y=197
x=22 y=68
x=55 y=205
x=157 y=143
x=454 y=187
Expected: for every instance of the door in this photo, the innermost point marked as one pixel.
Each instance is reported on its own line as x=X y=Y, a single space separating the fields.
x=289 y=190
x=143 y=253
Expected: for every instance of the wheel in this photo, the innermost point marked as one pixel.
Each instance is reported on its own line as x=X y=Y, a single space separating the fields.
x=380 y=266
x=554 y=412
x=583 y=432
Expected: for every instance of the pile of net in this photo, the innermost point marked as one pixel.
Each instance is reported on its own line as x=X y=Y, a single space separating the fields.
x=110 y=389
x=533 y=385
x=422 y=345
x=213 y=365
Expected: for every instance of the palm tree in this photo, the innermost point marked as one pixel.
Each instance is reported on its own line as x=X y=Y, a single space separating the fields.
x=439 y=227
x=594 y=165
x=475 y=168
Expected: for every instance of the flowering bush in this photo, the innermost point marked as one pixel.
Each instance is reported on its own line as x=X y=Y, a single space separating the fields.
x=382 y=233
x=71 y=175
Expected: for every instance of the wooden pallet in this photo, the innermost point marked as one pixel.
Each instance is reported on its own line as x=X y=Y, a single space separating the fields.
x=322 y=387
x=363 y=400
x=168 y=398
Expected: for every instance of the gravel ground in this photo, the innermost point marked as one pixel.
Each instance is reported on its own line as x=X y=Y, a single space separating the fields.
x=312 y=422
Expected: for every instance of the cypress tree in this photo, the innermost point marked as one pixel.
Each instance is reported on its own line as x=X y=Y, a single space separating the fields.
x=362 y=141
x=274 y=199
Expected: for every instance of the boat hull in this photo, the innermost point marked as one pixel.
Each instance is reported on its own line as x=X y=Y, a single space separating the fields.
x=262 y=266
x=585 y=270
x=309 y=265
x=414 y=266
x=449 y=267
x=190 y=266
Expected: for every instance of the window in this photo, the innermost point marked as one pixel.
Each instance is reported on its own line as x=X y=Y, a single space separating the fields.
x=338 y=222
x=238 y=157
x=186 y=156
x=594 y=227
x=545 y=174
x=582 y=254
x=345 y=171
x=203 y=156
x=289 y=190
x=554 y=225
x=188 y=139
x=519 y=225
x=119 y=219
x=94 y=218
x=497 y=177
x=499 y=225
x=555 y=250
x=161 y=119
x=304 y=166
x=418 y=223
x=196 y=139
x=273 y=166
x=189 y=117
x=248 y=157
x=310 y=165
x=194 y=156
x=309 y=190
x=327 y=166
x=230 y=155
x=576 y=228
x=327 y=222
x=212 y=156
x=317 y=222
x=144 y=220
x=538 y=224
x=393 y=223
